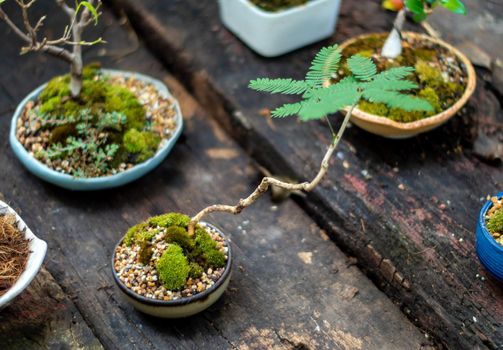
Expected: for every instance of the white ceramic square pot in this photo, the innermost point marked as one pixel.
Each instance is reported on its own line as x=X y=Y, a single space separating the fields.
x=275 y=33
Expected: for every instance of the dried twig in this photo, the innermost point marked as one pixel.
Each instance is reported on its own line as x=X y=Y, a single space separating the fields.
x=268 y=181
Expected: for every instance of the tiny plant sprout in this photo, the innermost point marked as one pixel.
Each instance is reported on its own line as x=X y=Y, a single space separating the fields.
x=321 y=98
x=420 y=9
x=80 y=16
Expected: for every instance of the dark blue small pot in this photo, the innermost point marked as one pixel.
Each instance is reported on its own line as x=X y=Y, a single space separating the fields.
x=489 y=252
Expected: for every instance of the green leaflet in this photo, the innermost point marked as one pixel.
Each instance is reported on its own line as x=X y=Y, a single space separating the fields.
x=320 y=98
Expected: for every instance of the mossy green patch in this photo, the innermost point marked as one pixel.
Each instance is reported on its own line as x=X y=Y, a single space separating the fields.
x=130 y=236
x=97 y=94
x=173 y=268
x=495 y=222
x=145 y=253
x=206 y=252
x=170 y=219
x=142 y=144
x=196 y=270
x=180 y=236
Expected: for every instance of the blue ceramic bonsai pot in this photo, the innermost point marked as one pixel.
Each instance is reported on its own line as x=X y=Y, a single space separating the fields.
x=97 y=183
x=489 y=252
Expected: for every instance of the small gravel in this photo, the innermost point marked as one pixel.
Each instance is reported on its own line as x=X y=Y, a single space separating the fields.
x=144 y=280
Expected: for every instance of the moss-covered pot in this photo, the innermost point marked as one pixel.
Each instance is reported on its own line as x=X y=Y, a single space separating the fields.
x=97 y=183
x=38 y=248
x=183 y=307
x=386 y=127
x=489 y=252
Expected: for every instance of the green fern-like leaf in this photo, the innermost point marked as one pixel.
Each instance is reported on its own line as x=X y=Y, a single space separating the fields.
x=287 y=110
x=395 y=99
x=396 y=73
x=323 y=65
x=363 y=68
x=283 y=86
x=382 y=83
x=319 y=100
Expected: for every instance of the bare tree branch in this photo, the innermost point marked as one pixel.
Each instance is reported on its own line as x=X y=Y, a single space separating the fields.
x=72 y=36
x=270 y=181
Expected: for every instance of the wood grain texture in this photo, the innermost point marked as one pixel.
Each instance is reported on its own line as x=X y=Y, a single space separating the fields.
x=411 y=223
x=43 y=317
x=291 y=288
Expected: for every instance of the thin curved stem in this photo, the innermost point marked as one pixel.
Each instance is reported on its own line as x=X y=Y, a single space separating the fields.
x=268 y=181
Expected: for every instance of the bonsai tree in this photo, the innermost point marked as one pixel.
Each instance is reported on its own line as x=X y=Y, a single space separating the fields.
x=319 y=99
x=180 y=248
x=420 y=9
x=82 y=15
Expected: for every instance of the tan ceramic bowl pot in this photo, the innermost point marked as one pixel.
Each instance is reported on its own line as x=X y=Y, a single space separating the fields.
x=183 y=307
x=396 y=130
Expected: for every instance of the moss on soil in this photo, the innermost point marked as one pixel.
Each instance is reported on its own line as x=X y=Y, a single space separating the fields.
x=428 y=61
x=495 y=222
x=277 y=5
x=99 y=98
x=173 y=268
x=185 y=256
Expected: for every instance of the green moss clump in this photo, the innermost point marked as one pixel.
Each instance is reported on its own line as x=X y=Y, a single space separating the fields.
x=170 y=219
x=145 y=253
x=366 y=53
x=277 y=5
x=196 y=270
x=428 y=75
x=130 y=236
x=373 y=108
x=97 y=95
x=431 y=96
x=206 y=252
x=143 y=144
x=173 y=268
x=180 y=236
x=495 y=222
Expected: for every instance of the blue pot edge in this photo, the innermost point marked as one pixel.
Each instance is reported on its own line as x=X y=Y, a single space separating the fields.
x=482 y=223
x=89 y=184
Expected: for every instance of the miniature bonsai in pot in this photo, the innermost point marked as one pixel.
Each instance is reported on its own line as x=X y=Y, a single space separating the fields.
x=444 y=75
x=275 y=27
x=90 y=128
x=176 y=258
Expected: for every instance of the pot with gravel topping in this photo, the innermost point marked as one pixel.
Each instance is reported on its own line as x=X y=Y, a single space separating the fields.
x=121 y=127
x=489 y=236
x=164 y=271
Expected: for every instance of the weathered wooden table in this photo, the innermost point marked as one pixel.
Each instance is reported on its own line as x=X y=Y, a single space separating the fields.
x=292 y=286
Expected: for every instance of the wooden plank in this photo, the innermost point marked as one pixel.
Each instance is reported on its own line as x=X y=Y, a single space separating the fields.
x=290 y=288
x=411 y=225
x=43 y=317
x=476 y=33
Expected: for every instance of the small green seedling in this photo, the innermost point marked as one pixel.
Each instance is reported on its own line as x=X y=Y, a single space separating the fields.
x=80 y=16
x=420 y=9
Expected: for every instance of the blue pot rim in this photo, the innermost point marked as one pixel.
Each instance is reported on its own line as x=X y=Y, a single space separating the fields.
x=101 y=182
x=482 y=222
